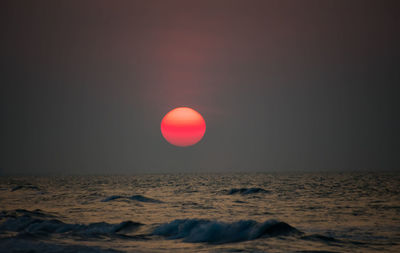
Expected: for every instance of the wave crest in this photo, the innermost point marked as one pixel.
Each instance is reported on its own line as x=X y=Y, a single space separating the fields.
x=139 y=198
x=27 y=222
x=246 y=191
x=25 y=187
x=216 y=232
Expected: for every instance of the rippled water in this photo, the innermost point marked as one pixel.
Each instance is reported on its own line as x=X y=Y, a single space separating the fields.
x=201 y=213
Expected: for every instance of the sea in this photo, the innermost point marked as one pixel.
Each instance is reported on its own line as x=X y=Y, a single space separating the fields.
x=205 y=212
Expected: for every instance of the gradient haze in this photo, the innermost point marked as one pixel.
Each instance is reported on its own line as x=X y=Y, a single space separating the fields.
x=282 y=85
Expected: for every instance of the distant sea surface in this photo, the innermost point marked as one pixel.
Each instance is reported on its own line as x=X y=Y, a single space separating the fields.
x=354 y=212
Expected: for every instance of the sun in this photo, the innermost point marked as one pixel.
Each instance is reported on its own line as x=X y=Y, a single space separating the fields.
x=183 y=127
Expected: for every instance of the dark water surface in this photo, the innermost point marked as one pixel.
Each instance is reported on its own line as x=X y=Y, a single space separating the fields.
x=201 y=213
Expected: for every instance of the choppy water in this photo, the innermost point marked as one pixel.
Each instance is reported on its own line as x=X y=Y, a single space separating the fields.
x=201 y=213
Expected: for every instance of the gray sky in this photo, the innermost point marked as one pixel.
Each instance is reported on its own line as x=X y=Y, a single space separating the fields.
x=282 y=85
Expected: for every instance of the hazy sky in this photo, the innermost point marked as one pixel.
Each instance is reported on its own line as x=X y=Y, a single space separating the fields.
x=282 y=85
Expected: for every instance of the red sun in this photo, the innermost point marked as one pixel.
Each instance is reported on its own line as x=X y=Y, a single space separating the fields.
x=183 y=127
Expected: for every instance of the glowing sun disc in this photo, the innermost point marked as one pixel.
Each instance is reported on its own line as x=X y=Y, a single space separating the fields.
x=183 y=127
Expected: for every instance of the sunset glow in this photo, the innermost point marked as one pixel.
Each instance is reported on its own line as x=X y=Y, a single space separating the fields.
x=183 y=127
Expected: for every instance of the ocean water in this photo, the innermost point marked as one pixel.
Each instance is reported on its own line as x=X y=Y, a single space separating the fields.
x=309 y=212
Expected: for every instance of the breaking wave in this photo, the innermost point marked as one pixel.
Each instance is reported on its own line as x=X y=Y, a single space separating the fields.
x=38 y=223
x=134 y=197
x=216 y=232
x=245 y=191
